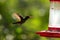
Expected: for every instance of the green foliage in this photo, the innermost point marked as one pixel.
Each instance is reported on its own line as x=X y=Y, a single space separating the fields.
x=38 y=9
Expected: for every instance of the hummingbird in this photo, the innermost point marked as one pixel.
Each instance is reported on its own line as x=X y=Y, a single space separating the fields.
x=23 y=20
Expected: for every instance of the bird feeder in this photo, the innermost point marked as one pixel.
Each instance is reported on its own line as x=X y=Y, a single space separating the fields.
x=54 y=21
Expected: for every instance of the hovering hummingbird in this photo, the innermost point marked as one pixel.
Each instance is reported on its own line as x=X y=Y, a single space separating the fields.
x=23 y=20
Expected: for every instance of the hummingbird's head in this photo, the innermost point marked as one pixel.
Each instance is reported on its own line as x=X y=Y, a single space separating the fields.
x=27 y=17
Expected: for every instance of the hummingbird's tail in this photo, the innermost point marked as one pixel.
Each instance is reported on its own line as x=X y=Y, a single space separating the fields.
x=16 y=23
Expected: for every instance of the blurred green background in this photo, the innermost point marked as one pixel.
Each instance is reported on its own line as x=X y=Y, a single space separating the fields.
x=38 y=9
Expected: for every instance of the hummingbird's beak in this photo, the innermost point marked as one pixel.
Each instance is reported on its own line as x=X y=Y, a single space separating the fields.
x=30 y=16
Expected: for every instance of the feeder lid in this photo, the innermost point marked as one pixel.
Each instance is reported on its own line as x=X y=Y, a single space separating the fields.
x=55 y=0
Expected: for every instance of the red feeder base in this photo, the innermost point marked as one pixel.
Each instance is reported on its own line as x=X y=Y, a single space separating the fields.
x=53 y=34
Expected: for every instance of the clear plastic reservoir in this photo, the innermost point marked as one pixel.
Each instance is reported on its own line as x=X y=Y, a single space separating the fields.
x=54 y=16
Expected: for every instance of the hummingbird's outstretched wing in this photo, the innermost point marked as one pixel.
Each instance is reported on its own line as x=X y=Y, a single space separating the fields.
x=20 y=16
